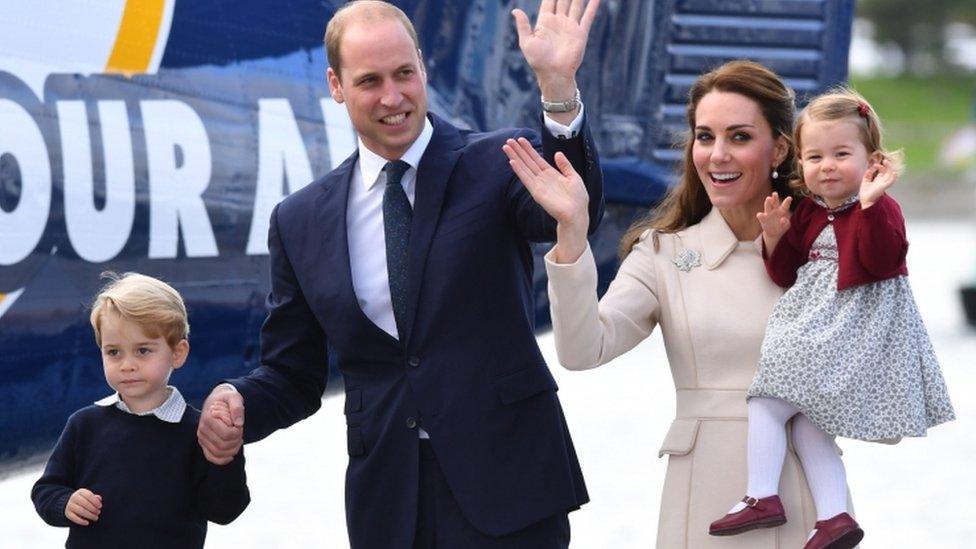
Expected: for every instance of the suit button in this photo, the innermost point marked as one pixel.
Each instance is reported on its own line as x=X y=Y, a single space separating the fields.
x=413 y=361
x=411 y=423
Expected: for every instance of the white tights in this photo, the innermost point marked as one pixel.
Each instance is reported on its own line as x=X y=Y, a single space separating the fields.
x=767 y=449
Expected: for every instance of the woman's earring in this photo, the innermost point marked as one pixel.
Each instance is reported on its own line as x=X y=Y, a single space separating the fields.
x=775 y=174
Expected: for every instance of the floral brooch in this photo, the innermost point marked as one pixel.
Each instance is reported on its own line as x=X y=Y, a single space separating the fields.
x=687 y=260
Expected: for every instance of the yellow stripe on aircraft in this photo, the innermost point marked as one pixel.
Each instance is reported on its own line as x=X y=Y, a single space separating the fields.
x=137 y=37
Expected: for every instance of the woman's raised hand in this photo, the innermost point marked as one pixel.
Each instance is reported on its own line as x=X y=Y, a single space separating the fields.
x=560 y=192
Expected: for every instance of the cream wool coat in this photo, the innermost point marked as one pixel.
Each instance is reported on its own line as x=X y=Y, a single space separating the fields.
x=712 y=317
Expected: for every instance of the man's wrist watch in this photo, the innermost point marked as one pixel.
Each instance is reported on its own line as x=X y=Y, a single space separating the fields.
x=562 y=106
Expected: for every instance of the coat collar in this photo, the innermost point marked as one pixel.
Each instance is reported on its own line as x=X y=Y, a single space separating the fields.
x=433 y=174
x=717 y=239
x=333 y=246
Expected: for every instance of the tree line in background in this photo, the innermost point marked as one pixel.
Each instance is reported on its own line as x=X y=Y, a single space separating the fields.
x=918 y=28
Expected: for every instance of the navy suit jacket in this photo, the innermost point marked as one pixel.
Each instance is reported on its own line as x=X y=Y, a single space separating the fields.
x=468 y=369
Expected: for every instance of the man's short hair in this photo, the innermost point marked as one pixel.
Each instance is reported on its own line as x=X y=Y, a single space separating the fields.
x=368 y=11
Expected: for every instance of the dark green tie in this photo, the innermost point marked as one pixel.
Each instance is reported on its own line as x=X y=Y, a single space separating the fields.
x=397 y=214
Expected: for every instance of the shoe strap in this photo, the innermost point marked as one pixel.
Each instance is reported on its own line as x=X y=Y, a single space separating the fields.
x=821 y=524
x=751 y=502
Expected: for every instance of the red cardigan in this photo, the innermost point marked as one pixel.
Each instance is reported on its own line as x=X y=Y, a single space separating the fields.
x=871 y=243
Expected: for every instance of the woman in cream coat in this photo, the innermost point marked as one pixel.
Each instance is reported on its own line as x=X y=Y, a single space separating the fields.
x=695 y=268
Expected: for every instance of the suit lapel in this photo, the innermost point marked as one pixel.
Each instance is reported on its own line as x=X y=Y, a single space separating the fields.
x=330 y=218
x=433 y=174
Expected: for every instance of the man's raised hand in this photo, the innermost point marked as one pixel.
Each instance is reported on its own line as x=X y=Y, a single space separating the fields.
x=554 y=48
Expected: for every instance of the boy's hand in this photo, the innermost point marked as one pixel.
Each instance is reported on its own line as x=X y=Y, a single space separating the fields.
x=83 y=507
x=221 y=410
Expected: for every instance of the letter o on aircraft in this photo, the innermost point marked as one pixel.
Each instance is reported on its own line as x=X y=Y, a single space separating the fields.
x=22 y=228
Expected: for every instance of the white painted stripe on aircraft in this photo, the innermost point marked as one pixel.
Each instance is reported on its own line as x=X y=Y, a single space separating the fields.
x=58 y=36
x=162 y=38
x=339 y=131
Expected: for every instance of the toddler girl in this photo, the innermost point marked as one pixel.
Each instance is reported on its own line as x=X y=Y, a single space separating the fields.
x=846 y=352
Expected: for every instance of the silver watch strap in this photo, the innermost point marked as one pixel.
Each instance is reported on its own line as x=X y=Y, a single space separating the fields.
x=562 y=106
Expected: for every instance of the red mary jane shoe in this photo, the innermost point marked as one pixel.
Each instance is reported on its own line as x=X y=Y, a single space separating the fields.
x=759 y=513
x=838 y=532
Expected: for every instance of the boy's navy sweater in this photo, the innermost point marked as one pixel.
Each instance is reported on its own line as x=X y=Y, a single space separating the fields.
x=157 y=488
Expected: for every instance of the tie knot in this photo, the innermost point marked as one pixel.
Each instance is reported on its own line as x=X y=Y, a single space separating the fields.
x=394 y=171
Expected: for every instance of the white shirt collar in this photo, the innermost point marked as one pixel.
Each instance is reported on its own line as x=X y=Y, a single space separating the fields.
x=170 y=411
x=845 y=205
x=371 y=164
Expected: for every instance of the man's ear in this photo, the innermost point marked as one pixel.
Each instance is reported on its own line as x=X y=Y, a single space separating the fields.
x=423 y=66
x=180 y=352
x=335 y=86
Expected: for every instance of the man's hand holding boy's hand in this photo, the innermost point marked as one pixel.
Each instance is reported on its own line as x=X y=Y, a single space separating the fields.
x=221 y=429
x=83 y=507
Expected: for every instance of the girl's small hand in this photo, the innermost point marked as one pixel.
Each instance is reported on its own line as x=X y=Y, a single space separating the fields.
x=775 y=217
x=83 y=507
x=878 y=179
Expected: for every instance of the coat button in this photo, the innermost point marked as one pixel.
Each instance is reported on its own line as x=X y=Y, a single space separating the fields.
x=830 y=217
x=413 y=361
x=411 y=423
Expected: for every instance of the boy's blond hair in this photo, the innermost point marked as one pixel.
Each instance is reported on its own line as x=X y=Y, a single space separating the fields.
x=843 y=103
x=151 y=303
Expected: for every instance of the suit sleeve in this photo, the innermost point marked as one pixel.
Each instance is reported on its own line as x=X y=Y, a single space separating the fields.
x=289 y=384
x=788 y=256
x=532 y=220
x=589 y=333
x=881 y=242
x=52 y=491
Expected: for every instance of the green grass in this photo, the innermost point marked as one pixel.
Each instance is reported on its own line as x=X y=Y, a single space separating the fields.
x=919 y=113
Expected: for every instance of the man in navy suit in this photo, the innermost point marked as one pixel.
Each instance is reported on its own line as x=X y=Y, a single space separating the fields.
x=412 y=262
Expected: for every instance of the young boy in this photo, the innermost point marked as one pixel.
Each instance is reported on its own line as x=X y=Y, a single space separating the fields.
x=128 y=472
